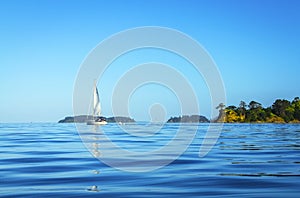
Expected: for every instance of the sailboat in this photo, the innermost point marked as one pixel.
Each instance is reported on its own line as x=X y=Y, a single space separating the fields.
x=96 y=109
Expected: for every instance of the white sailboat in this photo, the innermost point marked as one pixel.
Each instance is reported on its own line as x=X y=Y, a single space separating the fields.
x=96 y=109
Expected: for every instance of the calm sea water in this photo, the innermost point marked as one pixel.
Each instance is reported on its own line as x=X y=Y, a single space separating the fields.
x=249 y=160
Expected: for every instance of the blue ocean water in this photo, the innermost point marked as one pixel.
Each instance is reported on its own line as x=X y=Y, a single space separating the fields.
x=249 y=160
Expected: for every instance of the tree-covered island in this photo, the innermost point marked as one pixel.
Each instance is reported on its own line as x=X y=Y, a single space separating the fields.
x=85 y=118
x=281 y=111
x=188 y=119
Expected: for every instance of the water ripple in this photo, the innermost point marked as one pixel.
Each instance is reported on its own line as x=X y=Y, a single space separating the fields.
x=249 y=160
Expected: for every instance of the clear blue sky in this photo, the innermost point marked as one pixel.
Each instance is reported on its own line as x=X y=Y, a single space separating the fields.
x=42 y=44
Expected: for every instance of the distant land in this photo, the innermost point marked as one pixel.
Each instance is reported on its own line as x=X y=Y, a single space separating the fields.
x=85 y=118
x=182 y=119
x=188 y=119
x=281 y=111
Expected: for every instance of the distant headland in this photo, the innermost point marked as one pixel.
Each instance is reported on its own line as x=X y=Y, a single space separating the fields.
x=85 y=118
x=281 y=111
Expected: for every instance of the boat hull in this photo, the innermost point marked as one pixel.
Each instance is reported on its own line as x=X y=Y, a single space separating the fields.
x=92 y=122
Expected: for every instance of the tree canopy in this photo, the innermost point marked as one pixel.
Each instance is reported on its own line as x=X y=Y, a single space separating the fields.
x=281 y=111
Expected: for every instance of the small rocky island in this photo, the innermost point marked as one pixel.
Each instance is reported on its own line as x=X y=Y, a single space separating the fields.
x=188 y=119
x=85 y=118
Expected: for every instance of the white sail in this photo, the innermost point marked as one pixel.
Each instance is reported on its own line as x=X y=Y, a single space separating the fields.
x=96 y=103
x=96 y=110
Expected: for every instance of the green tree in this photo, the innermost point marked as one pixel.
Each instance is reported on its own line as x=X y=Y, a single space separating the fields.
x=241 y=111
x=242 y=105
x=232 y=107
x=255 y=113
x=268 y=111
x=254 y=105
x=281 y=109
x=296 y=107
x=289 y=114
x=296 y=99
